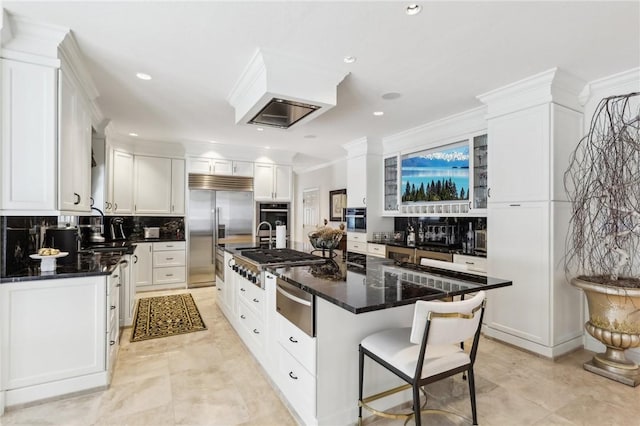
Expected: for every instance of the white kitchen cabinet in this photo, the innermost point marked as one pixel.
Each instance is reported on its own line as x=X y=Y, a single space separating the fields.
x=127 y=291
x=66 y=352
x=177 y=186
x=390 y=185
x=271 y=182
x=357 y=181
x=142 y=265
x=528 y=215
x=113 y=307
x=28 y=140
x=121 y=178
x=152 y=185
x=243 y=168
x=74 y=147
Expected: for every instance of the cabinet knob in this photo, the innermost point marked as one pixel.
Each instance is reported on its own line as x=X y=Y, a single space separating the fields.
x=135 y=258
x=242 y=289
x=112 y=342
x=112 y=307
x=364 y=200
x=115 y=207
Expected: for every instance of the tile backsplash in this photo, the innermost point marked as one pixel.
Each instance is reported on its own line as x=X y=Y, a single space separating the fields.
x=21 y=236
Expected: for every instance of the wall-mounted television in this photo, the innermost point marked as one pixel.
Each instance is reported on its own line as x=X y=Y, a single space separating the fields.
x=439 y=174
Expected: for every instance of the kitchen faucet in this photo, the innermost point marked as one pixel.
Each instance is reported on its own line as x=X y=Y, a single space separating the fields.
x=270 y=231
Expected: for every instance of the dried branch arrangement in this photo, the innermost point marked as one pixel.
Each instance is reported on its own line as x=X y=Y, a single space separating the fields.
x=603 y=185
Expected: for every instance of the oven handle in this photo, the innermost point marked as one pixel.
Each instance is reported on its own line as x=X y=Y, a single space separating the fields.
x=355 y=215
x=274 y=210
x=292 y=297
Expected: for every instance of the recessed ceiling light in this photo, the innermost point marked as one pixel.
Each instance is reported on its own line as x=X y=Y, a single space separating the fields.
x=378 y=113
x=267 y=147
x=390 y=96
x=413 y=9
x=143 y=76
x=349 y=59
x=259 y=129
x=212 y=141
x=133 y=134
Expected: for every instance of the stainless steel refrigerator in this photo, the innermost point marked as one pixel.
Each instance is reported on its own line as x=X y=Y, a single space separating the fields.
x=216 y=217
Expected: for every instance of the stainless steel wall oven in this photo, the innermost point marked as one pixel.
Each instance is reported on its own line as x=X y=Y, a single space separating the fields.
x=356 y=219
x=274 y=213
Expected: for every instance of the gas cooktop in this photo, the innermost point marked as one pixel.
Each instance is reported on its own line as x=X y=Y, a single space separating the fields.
x=283 y=256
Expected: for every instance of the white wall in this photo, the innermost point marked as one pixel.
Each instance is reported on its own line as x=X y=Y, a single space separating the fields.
x=618 y=84
x=328 y=178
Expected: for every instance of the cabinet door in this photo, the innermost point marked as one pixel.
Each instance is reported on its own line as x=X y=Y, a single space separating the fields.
x=153 y=185
x=142 y=268
x=243 y=168
x=121 y=171
x=200 y=165
x=263 y=181
x=519 y=156
x=390 y=184
x=28 y=172
x=177 y=186
x=222 y=167
x=282 y=183
x=518 y=248
x=480 y=173
x=82 y=158
x=66 y=143
x=357 y=181
x=70 y=341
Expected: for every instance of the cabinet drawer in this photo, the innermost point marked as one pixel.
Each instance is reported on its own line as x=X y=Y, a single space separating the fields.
x=168 y=258
x=472 y=263
x=174 y=274
x=252 y=326
x=298 y=343
x=169 y=245
x=253 y=295
x=379 y=250
x=357 y=247
x=357 y=236
x=297 y=384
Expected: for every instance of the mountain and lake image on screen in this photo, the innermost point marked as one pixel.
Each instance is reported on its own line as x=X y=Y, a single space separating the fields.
x=436 y=174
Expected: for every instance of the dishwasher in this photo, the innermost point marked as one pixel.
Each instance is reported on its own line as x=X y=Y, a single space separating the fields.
x=296 y=305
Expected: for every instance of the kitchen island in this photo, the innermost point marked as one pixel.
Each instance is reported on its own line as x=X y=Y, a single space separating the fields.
x=318 y=373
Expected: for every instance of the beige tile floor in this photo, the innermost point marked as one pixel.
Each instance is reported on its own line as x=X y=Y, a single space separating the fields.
x=209 y=378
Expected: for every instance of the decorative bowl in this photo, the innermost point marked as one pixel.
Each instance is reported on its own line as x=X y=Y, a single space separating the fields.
x=325 y=239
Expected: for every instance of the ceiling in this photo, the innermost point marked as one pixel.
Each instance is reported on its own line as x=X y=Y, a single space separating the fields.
x=438 y=60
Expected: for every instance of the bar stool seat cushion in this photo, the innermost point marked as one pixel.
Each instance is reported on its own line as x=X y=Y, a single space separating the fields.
x=394 y=347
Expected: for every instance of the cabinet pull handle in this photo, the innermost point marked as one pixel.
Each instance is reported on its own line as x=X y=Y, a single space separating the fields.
x=242 y=289
x=514 y=205
x=112 y=307
x=469 y=205
x=256 y=300
x=115 y=207
x=169 y=258
x=77 y=201
x=292 y=376
x=292 y=340
x=219 y=289
x=135 y=258
x=169 y=245
x=489 y=193
x=112 y=342
x=243 y=317
x=119 y=285
x=168 y=275
x=469 y=263
x=256 y=331
x=229 y=262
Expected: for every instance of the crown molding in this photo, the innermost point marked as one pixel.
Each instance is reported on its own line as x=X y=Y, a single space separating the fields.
x=622 y=81
x=554 y=85
x=26 y=40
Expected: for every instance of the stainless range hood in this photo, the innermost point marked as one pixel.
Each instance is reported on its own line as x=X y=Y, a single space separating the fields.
x=282 y=113
x=281 y=91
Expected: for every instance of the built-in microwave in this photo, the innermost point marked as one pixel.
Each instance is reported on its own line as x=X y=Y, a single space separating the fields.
x=356 y=219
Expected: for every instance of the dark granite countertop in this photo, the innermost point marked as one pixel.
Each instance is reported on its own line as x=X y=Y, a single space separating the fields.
x=383 y=284
x=87 y=264
x=431 y=247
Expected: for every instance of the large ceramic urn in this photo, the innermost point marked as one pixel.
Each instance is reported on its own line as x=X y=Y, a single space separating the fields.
x=614 y=320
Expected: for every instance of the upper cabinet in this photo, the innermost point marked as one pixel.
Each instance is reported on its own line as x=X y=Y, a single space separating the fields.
x=357 y=181
x=480 y=169
x=152 y=185
x=216 y=166
x=272 y=182
x=74 y=147
x=119 y=180
x=28 y=141
x=391 y=184
x=177 y=186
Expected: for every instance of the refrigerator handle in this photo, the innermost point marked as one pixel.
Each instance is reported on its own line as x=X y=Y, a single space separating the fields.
x=216 y=220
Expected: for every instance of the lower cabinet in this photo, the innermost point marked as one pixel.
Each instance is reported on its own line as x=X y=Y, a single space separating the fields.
x=160 y=265
x=56 y=336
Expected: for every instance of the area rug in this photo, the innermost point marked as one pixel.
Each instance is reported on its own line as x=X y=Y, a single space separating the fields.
x=166 y=316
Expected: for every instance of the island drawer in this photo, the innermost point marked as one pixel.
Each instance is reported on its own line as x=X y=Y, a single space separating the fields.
x=297 y=384
x=168 y=258
x=253 y=295
x=169 y=245
x=379 y=250
x=252 y=326
x=357 y=246
x=360 y=237
x=472 y=263
x=298 y=343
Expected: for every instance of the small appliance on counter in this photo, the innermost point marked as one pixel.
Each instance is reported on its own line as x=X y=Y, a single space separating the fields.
x=151 y=232
x=64 y=238
x=117 y=229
